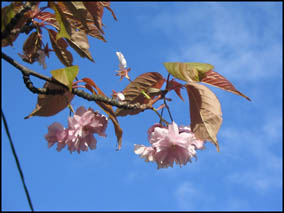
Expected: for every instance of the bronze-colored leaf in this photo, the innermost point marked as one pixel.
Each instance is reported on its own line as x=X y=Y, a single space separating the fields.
x=107 y=109
x=78 y=11
x=79 y=42
x=59 y=47
x=106 y=4
x=217 y=80
x=48 y=105
x=31 y=46
x=94 y=32
x=133 y=92
x=30 y=43
x=96 y=9
x=76 y=22
x=205 y=112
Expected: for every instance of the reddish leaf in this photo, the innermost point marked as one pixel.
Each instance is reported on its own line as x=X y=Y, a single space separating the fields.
x=107 y=109
x=174 y=85
x=59 y=47
x=48 y=105
x=205 y=112
x=217 y=80
x=48 y=18
x=93 y=84
x=133 y=91
x=90 y=88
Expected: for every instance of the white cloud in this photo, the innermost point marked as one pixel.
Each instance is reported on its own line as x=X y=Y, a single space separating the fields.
x=230 y=38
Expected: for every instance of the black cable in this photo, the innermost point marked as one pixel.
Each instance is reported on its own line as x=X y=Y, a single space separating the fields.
x=17 y=161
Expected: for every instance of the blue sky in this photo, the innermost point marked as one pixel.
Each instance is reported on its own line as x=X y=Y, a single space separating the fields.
x=244 y=43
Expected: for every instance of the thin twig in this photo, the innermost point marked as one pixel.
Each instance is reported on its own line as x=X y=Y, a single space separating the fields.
x=17 y=161
x=167 y=107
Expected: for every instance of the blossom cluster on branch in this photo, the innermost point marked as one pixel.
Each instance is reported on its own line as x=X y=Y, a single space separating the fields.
x=169 y=144
x=79 y=134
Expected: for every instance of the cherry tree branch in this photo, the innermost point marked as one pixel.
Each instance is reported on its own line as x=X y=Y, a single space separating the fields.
x=90 y=97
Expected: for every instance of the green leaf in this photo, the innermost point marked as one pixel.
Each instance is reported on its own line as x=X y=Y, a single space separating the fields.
x=190 y=72
x=7 y=13
x=65 y=28
x=66 y=75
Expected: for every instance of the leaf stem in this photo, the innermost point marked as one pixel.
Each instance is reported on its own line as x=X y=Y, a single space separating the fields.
x=167 y=107
x=160 y=116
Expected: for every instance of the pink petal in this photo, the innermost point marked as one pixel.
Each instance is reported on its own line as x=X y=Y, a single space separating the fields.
x=173 y=129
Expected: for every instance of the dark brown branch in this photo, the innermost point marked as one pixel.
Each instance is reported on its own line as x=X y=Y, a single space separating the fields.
x=25 y=70
x=90 y=97
x=46 y=91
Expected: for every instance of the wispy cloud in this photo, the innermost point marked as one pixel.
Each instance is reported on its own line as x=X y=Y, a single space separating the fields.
x=263 y=169
x=230 y=39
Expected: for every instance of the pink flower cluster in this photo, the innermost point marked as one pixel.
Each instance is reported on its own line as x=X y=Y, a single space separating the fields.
x=79 y=134
x=169 y=145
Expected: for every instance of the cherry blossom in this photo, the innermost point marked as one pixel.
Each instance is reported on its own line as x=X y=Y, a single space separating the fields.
x=56 y=133
x=79 y=134
x=169 y=144
x=81 y=128
x=122 y=72
x=122 y=61
x=145 y=152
